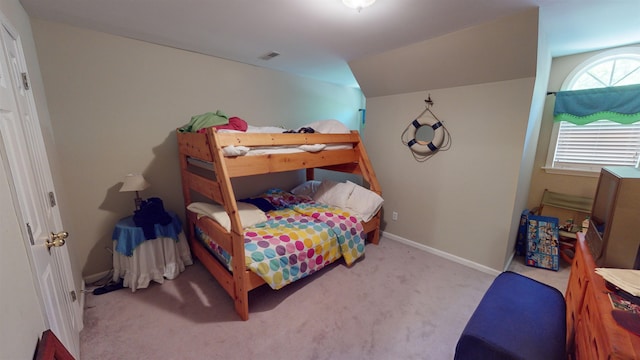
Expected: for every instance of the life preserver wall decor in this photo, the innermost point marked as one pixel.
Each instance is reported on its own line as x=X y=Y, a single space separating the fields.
x=422 y=147
x=423 y=150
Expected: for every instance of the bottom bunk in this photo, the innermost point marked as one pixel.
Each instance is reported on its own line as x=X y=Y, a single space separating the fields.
x=298 y=237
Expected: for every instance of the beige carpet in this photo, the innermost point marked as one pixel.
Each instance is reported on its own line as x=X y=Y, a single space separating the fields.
x=398 y=303
x=557 y=279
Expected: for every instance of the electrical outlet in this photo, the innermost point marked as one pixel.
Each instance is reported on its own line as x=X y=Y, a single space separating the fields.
x=394 y=216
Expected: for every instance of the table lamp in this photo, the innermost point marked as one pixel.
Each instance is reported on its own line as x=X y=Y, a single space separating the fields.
x=135 y=182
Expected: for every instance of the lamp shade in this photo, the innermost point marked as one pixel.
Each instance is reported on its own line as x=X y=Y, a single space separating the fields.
x=134 y=182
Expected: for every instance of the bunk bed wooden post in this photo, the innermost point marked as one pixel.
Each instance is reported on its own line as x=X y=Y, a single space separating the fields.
x=310 y=174
x=240 y=275
x=366 y=170
x=186 y=193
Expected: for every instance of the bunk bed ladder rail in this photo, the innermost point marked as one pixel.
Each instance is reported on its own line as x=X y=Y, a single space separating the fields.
x=363 y=168
x=240 y=273
x=191 y=145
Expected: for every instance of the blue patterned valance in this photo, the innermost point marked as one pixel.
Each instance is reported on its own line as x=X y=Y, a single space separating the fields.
x=620 y=104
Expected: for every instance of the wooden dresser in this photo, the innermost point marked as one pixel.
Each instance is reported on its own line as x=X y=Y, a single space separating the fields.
x=592 y=333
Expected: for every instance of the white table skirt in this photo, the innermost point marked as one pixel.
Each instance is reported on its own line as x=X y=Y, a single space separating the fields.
x=154 y=259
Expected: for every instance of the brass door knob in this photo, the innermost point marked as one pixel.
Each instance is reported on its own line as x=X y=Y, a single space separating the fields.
x=57 y=239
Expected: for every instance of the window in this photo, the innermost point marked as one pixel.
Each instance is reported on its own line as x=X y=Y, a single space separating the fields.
x=585 y=149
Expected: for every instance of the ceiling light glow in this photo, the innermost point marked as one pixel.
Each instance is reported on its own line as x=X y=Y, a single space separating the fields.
x=358 y=4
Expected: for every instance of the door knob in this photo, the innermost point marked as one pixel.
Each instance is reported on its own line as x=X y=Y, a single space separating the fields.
x=56 y=239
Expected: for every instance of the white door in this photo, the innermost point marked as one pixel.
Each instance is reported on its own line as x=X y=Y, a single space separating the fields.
x=24 y=157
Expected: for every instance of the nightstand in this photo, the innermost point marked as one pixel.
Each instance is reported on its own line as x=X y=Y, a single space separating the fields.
x=139 y=260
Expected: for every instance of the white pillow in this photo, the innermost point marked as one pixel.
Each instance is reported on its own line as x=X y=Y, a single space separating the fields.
x=307 y=188
x=363 y=203
x=264 y=129
x=334 y=193
x=249 y=214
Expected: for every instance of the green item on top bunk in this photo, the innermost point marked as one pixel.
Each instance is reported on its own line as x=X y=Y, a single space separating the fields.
x=205 y=120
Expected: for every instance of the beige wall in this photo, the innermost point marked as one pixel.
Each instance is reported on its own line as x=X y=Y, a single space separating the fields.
x=115 y=104
x=570 y=184
x=22 y=318
x=543 y=69
x=465 y=202
x=460 y=201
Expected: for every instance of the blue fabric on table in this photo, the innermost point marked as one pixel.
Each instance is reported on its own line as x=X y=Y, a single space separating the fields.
x=518 y=318
x=129 y=236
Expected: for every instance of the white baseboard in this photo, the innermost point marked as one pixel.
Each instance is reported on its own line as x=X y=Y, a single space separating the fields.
x=446 y=255
x=95 y=277
x=506 y=267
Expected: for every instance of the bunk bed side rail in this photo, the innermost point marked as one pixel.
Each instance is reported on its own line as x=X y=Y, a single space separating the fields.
x=215 y=231
x=260 y=139
x=194 y=145
x=207 y=187
x=225 y=279
x=267 y=164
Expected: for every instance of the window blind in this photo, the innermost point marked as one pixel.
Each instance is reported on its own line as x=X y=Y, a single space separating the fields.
x=599 y=143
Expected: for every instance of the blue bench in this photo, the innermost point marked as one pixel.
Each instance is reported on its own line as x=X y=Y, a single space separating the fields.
x=517 y=318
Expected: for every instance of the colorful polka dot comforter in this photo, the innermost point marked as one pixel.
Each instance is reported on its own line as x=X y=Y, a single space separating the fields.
x=299 y=237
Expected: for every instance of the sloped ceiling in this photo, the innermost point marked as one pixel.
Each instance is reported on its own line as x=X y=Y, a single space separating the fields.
x=318 y=38
x=505 y=49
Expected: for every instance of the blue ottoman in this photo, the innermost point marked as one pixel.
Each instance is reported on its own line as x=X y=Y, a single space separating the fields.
x=518 y=318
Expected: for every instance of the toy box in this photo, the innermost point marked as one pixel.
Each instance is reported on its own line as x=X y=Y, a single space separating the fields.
x=521 y=240
x=542 y=242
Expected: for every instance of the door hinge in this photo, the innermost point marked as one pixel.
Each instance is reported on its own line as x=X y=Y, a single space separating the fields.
x=25 y=80
x=73 y=295
x=52 y=199
x=30 y=234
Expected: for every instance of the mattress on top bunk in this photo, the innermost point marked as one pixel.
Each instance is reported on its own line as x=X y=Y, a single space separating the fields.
x=323 y=127
x=232 y=150
x=298 y=238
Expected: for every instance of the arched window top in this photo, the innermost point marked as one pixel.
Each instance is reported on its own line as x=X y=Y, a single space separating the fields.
x=584 y=147
x=617 y=67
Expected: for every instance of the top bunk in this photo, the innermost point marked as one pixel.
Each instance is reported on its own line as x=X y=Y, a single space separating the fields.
x=343 y=152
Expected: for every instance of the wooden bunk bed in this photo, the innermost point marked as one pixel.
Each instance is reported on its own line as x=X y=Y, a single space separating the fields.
x=215 y=184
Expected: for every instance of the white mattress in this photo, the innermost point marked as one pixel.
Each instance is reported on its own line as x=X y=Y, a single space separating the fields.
x=322 y=127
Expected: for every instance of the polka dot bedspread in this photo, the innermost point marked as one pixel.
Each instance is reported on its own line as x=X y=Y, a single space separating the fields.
x=298 y=238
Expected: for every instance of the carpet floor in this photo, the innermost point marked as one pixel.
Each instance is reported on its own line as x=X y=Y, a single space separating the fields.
x=397 y=303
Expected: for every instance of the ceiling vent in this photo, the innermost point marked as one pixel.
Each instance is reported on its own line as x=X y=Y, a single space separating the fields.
x=270 y=55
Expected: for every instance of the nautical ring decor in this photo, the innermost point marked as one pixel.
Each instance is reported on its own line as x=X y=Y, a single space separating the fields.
x=423 y=147
x=423 y=150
